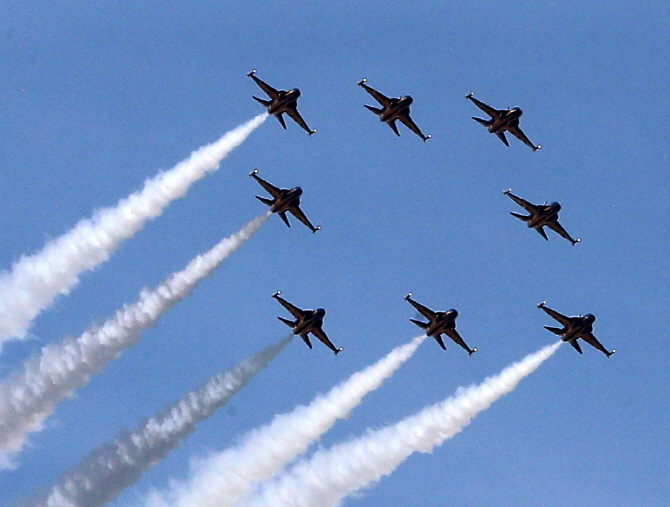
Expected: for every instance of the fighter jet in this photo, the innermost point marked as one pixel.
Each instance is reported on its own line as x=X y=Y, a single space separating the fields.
x=439 y=323
x=283 y=200
x=502 y=120
x=541 y=216
x=575 y=328
x=281 y=102
x=392 y=110
x=307 y=321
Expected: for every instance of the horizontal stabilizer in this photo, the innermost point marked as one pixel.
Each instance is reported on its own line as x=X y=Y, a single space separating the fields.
x=289 y=323
x=520 y=216
x=305 y=338
x=375 y=110
x=555 y=330
x=422 y=325
x=269 y=202
x=266 y=103
x=486 y=123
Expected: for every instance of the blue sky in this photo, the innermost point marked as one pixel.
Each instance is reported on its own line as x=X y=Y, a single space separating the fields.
x=96 y=98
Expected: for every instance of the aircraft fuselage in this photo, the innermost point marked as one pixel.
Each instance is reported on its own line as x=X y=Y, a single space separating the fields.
x=313 y=319
x=396 y=109
x=579 y=327
x=546 y=214
x=508 y=119
x=442 y=322
x=289 y=199
x=287 y=100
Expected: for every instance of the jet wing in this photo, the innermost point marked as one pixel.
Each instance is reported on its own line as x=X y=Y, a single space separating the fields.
x=518 y=133
x=453 y=334
x=555 y=226
x=297 y=212
x=426 y=312
x=305 y=338
x=269 y=188
x=407 y=121
x=529 y=207
x=379 y=97
x=593 y=341
x=493 y=113
x=559 y=317
x=318 y=332
x=271 y=92
x=294 y=310
x=295 y=115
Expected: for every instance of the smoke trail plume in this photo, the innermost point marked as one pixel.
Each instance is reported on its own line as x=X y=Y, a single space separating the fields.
x=331 y=475
x=34 y=281
x=225 y=477
x=28 y=397
x=108 y=470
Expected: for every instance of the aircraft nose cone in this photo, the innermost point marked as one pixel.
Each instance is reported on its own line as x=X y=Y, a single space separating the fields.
x=320 y=312
x=453 y=313
x=555 y=206
x=407 y=100
x=295 y=93
x=297 y=191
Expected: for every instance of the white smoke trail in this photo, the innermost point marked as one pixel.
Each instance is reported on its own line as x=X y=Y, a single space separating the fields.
x=331 y=475
x=28 y=397
x=108 y=470
x=34 y=281
x=222 y=479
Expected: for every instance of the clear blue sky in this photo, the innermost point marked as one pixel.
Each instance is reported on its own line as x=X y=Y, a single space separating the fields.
x=94 y=99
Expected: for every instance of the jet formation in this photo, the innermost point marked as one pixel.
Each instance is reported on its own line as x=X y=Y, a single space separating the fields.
x=281 y=101
x=574 y=328
x=392 y=110
x=502 y=120
x=541 y=216
x=283 y=200
x=439 y=323
x=398 y=109
x=306 y=321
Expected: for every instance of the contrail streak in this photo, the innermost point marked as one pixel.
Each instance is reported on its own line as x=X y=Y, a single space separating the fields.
x=108 y=470
x=222 y=479
x=29 y=396
x=331 y=475
x=34 y=281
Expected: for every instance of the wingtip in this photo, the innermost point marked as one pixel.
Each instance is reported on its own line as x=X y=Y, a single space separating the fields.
x=251 y=73
x=473 y=351
x=409 y=295
x=427 y=137
x=339 y=350
x=312 y=132
x=317 y=228
x=276 y=294
x=508 y=191
x=612 y=353
x=364 y=80
x=542 y=304
x=255 y=171
x=538 y=147
x=470 y=95
x=578 y=240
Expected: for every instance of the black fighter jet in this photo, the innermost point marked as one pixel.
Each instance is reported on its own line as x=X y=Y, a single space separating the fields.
x=281 y=102
x=574 y=328
x=502 y=120
x=307 y=321
x=392 y=110
x=541 y=216
x=283 y=200
x=439 y=323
